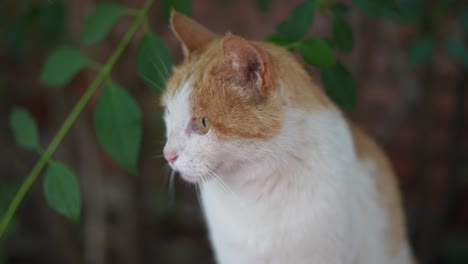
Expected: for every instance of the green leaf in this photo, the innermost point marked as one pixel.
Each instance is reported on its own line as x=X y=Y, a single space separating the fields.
x=457 y=49
x=101 y=21
x=317 y=52
x=420 y=51
x=154 y=61
x=183 y=6
x=377 y=7
x=24 y=129
x=340 y=9
x=298 y=22
x=343 y=36
x=117 y=121
x=339 y=85
x=276 y=39
x=62 y=65
x=62 y=190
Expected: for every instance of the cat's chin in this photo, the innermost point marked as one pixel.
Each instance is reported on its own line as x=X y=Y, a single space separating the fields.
x=190 y=178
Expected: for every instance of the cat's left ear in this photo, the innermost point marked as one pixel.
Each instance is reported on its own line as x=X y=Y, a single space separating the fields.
x=192 y=35
x=247 y=63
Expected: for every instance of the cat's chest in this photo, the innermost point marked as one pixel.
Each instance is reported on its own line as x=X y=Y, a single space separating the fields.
x=262 y=226
x=229 y=218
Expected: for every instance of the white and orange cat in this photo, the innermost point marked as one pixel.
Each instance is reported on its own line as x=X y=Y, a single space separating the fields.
x=284 y=177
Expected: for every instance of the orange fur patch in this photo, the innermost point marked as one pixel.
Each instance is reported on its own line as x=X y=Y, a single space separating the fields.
x=387 y=186
x=233 y=110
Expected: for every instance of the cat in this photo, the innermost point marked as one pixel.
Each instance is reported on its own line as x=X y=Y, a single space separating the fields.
x=284 y=177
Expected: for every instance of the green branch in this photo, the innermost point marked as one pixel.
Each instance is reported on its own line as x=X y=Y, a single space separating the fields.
x=56 y=141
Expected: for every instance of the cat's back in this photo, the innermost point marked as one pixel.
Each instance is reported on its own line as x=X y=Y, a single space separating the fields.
x=379 y=193
x=378 y=167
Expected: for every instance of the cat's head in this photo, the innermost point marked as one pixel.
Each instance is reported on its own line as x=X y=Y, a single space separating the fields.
x=223 y=104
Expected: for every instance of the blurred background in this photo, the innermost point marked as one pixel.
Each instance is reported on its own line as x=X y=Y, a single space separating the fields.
x=415 y=109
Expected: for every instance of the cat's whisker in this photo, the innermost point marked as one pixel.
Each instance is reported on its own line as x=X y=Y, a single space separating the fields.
x=197 y=191
x=164 y=68
x=222 y=183
x=160 y=73
x=152 y=83
x=167 y=170
x=199 y=186
x=171 y=187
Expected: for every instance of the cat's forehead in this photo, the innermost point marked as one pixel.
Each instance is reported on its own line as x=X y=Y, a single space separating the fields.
x=188 y=72
x=179 y=98
x=174 y=85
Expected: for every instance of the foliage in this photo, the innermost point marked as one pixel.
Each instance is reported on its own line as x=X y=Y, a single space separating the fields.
x=319 y=51
x=342 y=34
x=298 y=22
x=422 y=48
x=117 y=116
x=100 y=21
x=339 y=85
x=153 y=61
x=117 y=121
x=47 y=21
x=62 y=190
x=183 y=6
x=24 y=129
x=62 y=65
x=7 y=192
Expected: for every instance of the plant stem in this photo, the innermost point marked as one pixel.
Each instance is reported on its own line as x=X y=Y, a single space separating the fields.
x=76 y=111
x=132 y=11
x=95 y=65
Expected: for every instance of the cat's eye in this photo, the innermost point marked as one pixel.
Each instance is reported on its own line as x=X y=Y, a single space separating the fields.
x=203 y=124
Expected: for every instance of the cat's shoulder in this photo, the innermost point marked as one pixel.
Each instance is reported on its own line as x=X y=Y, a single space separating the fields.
x=368 y=151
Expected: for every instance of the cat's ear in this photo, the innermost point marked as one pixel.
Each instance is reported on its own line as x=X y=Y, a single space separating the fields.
x=192 y=35
x=247 y=63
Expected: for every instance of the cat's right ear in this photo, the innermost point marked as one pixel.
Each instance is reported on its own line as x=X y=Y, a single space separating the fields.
x=246 y=63
x=192 y=35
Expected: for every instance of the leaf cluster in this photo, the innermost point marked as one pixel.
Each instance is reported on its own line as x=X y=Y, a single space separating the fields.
x=319 y=52
x=117 y=115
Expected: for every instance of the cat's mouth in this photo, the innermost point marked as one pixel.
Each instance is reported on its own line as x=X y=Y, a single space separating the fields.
x=198 y=179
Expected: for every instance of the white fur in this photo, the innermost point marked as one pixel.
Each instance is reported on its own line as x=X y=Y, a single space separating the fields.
x=302 y=197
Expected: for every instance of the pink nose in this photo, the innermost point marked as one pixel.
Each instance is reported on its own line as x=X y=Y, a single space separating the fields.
x=171 y=157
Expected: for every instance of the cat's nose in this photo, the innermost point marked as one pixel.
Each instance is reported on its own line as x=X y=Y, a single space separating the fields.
x=171 y=157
